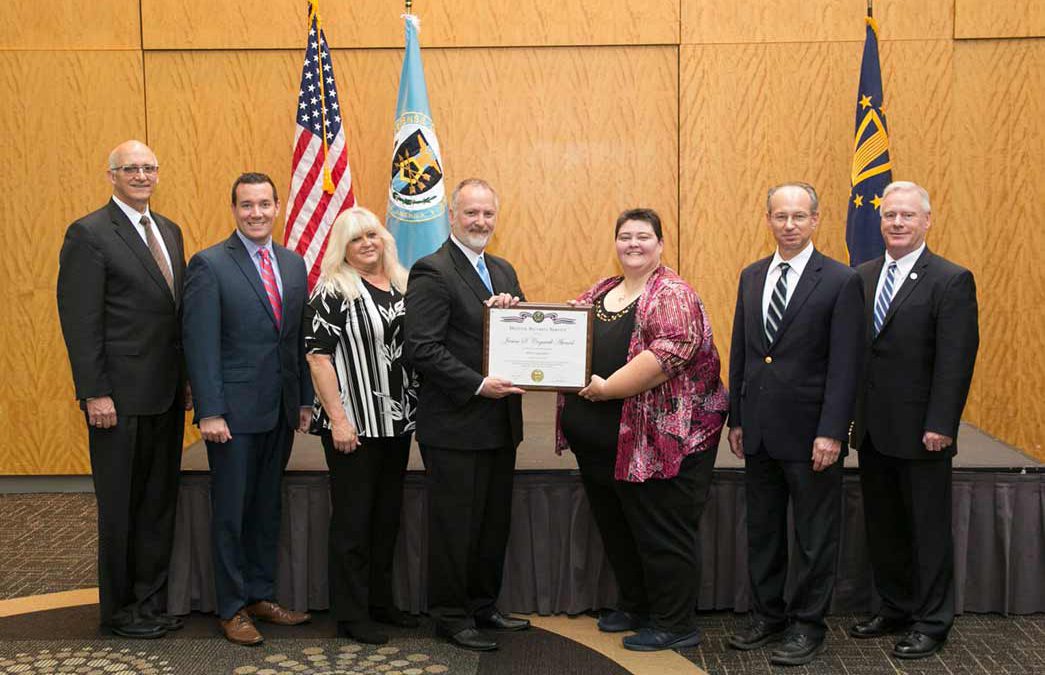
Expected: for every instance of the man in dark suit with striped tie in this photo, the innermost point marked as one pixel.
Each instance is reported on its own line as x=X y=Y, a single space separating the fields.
x=793 y=368
x=119 y=300
x=245 y=351
x=923 y=335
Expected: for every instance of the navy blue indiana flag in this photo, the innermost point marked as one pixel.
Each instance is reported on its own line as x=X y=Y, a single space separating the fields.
x=871 y=170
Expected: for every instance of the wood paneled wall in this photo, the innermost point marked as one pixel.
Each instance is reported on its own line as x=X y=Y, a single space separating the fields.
x=574 y=110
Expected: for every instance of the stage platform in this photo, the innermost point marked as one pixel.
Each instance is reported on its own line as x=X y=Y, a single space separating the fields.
x=555 y=559
x=536 y=453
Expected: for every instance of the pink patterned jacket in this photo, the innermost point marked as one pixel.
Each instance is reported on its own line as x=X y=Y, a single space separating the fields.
x=685 y=414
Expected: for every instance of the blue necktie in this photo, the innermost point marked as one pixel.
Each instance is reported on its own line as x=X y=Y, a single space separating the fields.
x=881 y=306
x=484 y=274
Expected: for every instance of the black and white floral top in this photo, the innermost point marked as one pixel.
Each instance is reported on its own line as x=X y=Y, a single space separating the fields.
x=365 y=337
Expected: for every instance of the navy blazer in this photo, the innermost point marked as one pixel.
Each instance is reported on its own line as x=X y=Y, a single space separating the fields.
x=241 y=366
x=919 y=367
x=802 y=386
x=444 y=343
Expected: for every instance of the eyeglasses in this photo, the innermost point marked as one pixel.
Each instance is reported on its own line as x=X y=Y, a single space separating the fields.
x=134 y=169
x=798 y=218
x=905 y=216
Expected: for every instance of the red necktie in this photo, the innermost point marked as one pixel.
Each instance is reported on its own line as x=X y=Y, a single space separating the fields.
x=268 y=278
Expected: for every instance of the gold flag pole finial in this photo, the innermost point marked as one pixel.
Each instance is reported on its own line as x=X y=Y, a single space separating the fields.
x=870 y=8
x=409 y=6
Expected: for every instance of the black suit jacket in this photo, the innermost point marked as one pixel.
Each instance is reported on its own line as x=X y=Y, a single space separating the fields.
x=444 y=343
x=920 y=365
x=241 y=365
x=119 y=319
x=802 y=386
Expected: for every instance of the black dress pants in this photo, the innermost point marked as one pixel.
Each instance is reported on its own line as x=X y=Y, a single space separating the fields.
x=650 y=534
x=136 y=466
x=907 y=512
x=469 y=514
x=815 y=498
x=246 y=495
x=366 y=492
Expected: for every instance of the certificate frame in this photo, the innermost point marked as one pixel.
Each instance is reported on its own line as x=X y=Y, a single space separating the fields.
x=535 y=322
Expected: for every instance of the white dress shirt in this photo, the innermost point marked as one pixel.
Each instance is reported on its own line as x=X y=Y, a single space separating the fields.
x=903 y=268
x=135 y=217
x=798 y=265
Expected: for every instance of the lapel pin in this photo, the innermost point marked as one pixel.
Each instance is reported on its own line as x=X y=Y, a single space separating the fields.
x=914 y=275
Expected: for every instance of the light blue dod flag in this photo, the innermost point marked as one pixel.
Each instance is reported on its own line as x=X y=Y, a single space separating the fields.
x=417 y=216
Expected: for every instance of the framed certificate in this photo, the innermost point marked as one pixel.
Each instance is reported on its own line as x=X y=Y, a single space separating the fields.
x=538 y=346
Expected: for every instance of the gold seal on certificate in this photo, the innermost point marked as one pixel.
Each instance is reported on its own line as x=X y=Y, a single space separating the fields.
x=538 y=346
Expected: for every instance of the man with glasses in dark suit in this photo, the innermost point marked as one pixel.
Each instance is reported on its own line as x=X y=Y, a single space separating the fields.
x=119 y=300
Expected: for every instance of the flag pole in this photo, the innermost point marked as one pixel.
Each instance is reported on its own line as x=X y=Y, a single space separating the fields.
x=328 y=179
x=410 y=6
x=870 y=8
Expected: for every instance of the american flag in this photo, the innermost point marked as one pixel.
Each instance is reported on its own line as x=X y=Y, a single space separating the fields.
x=321 y=184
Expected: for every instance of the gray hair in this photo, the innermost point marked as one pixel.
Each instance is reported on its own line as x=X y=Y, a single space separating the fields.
x=814 y=201
x=473 y=182
x=908 y=186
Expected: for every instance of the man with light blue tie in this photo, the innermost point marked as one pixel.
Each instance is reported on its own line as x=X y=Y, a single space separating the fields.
x=245 y=351
x=468 y=426
x=923 y=336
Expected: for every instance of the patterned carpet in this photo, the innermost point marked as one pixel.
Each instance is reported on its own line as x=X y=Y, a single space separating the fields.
x=48 y=544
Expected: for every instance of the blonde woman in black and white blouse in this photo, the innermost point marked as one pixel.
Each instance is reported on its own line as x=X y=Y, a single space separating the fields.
x=364 y=415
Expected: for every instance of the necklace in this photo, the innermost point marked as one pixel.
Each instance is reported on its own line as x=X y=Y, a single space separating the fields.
x=606 y=316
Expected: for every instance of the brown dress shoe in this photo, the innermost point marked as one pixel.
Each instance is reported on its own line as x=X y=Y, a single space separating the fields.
x=266 y=610
x=240 y=630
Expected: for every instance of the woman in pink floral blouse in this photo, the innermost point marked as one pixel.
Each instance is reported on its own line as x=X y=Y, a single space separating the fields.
x=645 y=431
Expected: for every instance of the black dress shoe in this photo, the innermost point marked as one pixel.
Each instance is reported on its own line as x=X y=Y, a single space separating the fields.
x=757 y=633
x=877 y=626
x=168 y=621
x=796 y=649
x=497 y=621
x=653 y=640
x=916 y=645
x=468 y=638
x=393 y=616
x=619 y=621
x=140 y=630
x=362 y=631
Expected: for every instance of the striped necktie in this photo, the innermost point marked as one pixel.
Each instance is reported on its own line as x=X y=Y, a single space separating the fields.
x=268 y=278
x=157 y=253
x=885 y=297
x=777 y=303
x=484 y=274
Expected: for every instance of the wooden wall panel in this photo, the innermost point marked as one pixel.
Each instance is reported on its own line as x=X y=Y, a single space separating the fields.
x=69 y=24
x=992 y=19
x=753 y=115
x=64 y=112
x=569 y=138
x=747 y=21
x=999 y=190
x=203 y=24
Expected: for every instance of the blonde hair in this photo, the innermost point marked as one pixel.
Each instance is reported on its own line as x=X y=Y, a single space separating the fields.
x=336 y=275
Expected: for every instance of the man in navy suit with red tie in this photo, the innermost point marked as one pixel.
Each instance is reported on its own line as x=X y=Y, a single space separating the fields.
x=245 y=351
x=923 y=334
